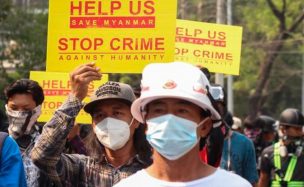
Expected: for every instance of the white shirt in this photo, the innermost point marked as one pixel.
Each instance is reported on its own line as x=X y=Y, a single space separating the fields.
x=220 y=178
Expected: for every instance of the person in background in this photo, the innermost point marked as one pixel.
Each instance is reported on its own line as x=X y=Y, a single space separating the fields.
x=237 y=125
x=282 y=164
x=178 y=114
x=24 y=98
x=211 y=149
x=74 y=142
x=11 y=165
x=262 y=132
x=238 y=154
x=268 y=135
x=117 y=145
x=3 y=122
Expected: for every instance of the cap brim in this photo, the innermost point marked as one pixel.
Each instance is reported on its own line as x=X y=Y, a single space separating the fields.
x=140 y=103
x=89 y=107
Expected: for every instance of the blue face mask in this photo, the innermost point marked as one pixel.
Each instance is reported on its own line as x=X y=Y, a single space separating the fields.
x=172 y=136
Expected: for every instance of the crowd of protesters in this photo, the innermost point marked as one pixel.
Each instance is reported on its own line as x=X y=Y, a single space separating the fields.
x=176 y=131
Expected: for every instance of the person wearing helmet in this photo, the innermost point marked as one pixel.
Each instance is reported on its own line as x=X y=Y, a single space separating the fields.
x=262 y=133
x=282 y=164
x=178 y=114
x=268 y=127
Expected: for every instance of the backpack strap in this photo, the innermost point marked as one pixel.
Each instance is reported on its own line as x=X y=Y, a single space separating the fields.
x=3 y=135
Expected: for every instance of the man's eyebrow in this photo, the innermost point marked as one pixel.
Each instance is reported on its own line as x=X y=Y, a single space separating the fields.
x=183 y=102
x=156 y=103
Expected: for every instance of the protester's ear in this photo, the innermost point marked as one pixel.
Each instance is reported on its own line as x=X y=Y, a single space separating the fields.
x=134 y=123
x=205 y=128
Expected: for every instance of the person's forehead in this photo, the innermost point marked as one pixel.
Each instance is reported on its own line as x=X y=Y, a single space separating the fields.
x=112 y=103
x=291 y=127
x=22 y=100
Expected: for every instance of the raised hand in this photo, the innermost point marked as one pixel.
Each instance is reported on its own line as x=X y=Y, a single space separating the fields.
x=81 y=77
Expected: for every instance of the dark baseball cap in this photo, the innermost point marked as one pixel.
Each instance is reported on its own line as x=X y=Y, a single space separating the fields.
x=111 y=90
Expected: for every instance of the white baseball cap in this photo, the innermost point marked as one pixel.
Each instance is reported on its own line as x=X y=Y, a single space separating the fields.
x=173 y=80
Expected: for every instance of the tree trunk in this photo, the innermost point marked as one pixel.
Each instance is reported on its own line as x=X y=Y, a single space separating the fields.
x=256 y=100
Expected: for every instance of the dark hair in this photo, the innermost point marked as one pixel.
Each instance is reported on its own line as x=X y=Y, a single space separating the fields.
x=214 y=142
x=95 y=149
x=25 y=86
x=3 y=122
x=228 y=118
x=206 y=72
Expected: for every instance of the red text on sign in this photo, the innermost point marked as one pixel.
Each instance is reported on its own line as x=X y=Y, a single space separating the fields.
x=99 y=7
x=138 y=44
x=85 y=44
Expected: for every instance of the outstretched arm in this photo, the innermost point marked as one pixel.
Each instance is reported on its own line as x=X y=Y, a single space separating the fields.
x=47 y=153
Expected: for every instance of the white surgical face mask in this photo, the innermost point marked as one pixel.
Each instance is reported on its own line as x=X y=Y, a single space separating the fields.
x=172 y=136
x=21 y=122
x=112 y=133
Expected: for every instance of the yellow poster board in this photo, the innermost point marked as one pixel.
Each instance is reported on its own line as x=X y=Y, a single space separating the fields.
x=56 y=87
x=214 y=46
x=120 y=36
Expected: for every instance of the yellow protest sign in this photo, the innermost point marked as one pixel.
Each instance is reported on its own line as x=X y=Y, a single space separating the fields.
x=120 y=36
x=56 y=87
x=214 y=46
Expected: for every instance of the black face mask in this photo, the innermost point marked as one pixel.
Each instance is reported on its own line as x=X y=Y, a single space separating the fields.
x=295 y=142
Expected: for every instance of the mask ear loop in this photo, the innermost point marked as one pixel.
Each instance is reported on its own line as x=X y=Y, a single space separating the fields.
x=131 y=123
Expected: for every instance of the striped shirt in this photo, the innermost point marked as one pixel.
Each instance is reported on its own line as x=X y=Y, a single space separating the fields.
x=74 y=169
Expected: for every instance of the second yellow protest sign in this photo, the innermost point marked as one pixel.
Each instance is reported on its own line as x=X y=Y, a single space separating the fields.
x=56 y=87
x=120 y=36
x=214 y=46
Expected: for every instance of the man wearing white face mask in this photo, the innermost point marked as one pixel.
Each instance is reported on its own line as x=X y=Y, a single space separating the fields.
x=117 y=146
x=23 y=107
x=177 y=111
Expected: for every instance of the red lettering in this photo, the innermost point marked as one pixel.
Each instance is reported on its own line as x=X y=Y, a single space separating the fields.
x=45 y=84
x=196 y=53
x=89 y=5
x=132 y=8
x=149 y=7
x=179 y=31
x=97 y=42
x=73 y=44
x=197 y=32
x=127 y=42
x=222 y=36
x=76 y=8
x=84 y=46
x=115 y=5
x=51 y=105
x=54 y=83
x=112 y=44
x=63 y=44
x=74 y=40
x=159 y=43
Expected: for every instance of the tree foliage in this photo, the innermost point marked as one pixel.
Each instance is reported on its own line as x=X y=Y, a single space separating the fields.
x=23 y=34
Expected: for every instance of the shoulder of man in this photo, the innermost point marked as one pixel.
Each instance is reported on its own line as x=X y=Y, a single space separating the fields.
x=268 y=150
x=241 y=138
